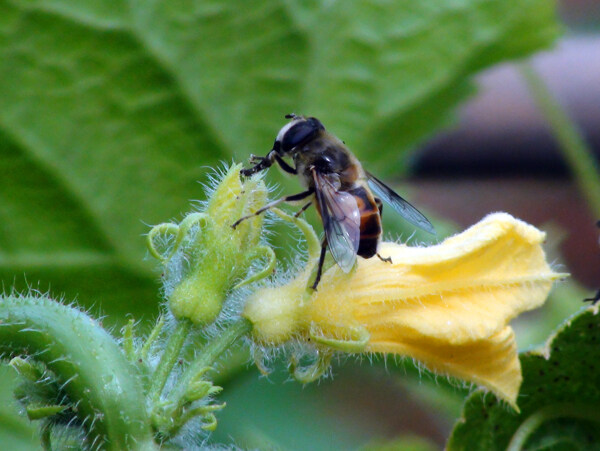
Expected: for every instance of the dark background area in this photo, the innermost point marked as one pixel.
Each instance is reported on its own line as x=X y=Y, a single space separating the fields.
x=501 y=155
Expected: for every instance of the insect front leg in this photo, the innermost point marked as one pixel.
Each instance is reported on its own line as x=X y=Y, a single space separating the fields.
x=283 y=165
x=292 y=198
x=262 y=163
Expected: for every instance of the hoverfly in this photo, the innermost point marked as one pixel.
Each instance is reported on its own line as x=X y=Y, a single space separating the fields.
x=340 y=188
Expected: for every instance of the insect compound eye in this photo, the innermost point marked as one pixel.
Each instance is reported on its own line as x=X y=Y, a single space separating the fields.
x=300 y=133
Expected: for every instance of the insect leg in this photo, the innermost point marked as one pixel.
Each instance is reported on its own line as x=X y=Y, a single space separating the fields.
x=593 y=299
x=321 y=262
x=379 y=205
x=292 y=198
x=263 y=163
x=283 y=165
x=303 y=209
x=384 y=259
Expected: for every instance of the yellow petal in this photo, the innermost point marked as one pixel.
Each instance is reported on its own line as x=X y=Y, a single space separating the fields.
x=492 y=363
x=448 y=305
x=462 y=290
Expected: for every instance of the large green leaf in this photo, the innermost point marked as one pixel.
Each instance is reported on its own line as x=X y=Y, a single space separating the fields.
x=109 y=110
x=559 y=398
x=380 y=74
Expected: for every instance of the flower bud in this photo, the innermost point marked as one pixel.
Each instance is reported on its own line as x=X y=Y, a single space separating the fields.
x=277 y=313
x=204 y=257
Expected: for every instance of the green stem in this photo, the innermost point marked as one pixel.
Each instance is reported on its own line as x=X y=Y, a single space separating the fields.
x=574 y=148
x=209 y=355
x=547 y=413
x=88 y=363
x=169 y=358
x=46 y=436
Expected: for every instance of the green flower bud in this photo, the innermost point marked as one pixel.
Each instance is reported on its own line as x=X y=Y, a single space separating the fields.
x=204 y=257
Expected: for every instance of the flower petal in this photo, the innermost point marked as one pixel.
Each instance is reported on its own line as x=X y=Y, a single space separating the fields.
x=492 y=363
x=463 y=290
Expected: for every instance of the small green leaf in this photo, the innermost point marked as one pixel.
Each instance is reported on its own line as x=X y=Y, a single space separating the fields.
x=559 y=398
x=39 y=412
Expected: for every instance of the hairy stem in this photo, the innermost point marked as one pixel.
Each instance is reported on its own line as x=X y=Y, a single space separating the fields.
x=209 y=355
x=94 y=372
x=169 y=358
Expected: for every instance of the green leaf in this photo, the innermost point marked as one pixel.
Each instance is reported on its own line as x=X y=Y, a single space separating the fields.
x=108 y=111
x=96 y=142
x=559 y=397
x=379 y=74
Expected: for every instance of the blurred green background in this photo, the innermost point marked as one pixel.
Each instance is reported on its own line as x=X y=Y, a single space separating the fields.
x=112 y=112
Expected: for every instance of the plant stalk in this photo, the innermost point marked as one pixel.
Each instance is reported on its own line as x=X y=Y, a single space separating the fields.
x=209 y=355
x=169 y=358
x=576 y=151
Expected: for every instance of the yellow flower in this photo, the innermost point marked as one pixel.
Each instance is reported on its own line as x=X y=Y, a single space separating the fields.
x=447 y=306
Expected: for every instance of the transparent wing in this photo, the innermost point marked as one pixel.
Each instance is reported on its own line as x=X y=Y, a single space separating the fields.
x=402 y=206
x=341 y=221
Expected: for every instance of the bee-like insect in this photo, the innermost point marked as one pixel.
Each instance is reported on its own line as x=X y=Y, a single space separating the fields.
x=340 y=188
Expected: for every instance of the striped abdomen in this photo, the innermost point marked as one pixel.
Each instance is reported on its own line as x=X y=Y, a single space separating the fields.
x=370 y=221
